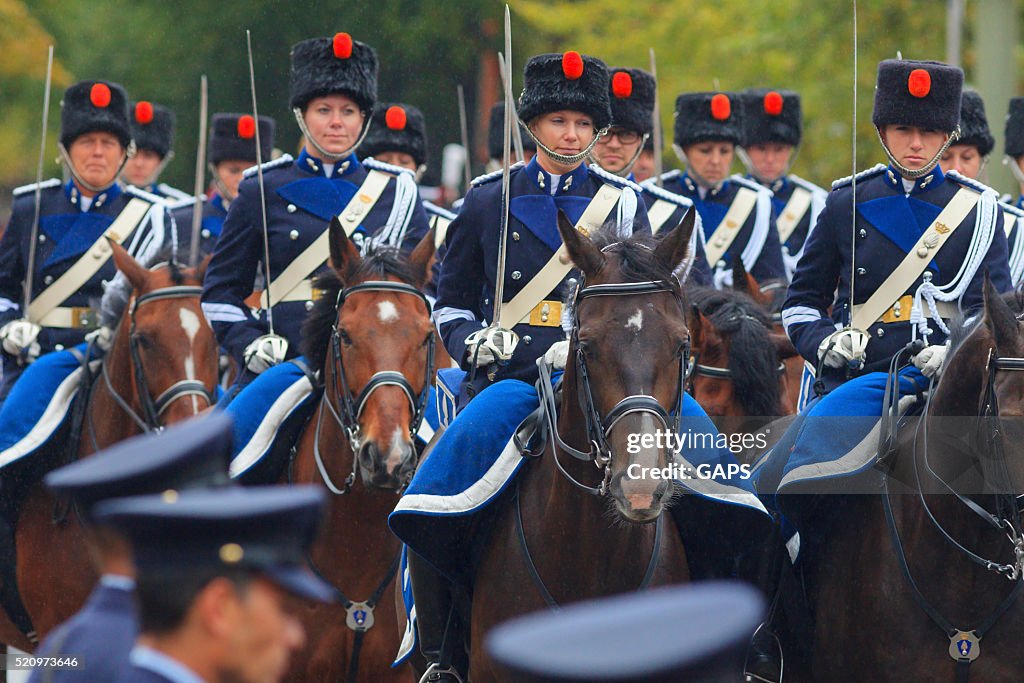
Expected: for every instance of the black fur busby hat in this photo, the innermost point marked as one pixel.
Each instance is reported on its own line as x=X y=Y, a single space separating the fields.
x=233 y=136
x=1015 y=128
x=921 y=94
x=631 y=93
x=90 y=106
x=152 y=127
x=338 y=65
x=496 y=132
x=702 y=116
x=396 y=127
x=565 y=81
x=974 y=124
x=771 y=116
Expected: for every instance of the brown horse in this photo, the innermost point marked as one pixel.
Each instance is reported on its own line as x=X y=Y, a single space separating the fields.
x=373 y=341
x=872 y=622
x=161 y=369
x=571 y=532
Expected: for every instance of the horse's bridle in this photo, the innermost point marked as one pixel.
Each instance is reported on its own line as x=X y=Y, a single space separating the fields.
x=599 y=428
x=350 y=407
x=153 y=409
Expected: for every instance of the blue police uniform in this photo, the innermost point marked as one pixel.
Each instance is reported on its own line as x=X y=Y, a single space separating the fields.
x=468 y=273
x=67 y=231
x=758 y=229
x=699 y=271
x=215 y=210
x=300 y=202
x=782 y=192
x=439 y=220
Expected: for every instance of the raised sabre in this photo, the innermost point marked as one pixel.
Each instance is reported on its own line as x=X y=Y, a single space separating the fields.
x=506 y=163
x=506 y=83
x=34 y=237
x=197 y=211
x=259 y=175
x=464 y=132
x=656 y=116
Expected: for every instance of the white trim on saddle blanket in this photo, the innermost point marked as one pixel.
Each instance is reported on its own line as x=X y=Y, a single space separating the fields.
x=51 y=419
x=409 y=636
x=857 y=459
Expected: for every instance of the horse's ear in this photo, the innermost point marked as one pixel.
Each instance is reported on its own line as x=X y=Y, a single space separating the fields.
x=1001 y=321
x=783 y=346
x=740 y=283
x=696 y=325
x=421 y=260
x=131 y=268
x=345 y=258
x=584 y=253
x=674 y=247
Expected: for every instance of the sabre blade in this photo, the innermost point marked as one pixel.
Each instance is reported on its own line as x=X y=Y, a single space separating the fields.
x=464 y=131
x=259 y=176
x=34 y=236
x=506 y=84
x=506 y=163
x=656 y=116
x=197 y=210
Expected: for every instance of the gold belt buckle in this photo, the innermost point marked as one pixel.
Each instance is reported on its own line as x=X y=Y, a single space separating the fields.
x=546 y=314
x=83 y=317
x=900 y=311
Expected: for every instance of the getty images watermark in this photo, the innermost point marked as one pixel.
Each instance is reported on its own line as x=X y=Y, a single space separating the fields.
x=689 y=442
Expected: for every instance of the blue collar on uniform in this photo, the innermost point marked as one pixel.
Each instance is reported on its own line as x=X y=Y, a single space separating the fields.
x=315 y=166
x=692 y=187
x=105 y=197
x=776 y=186
x=928 y=182
x=542 y=179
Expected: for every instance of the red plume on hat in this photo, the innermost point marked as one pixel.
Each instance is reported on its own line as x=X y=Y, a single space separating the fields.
x=772 y=103
x=622 y=84
x=342 y=45
x=144 y=112
x=395 y=118
x=919 y=83
x=572 y=65
x=246 y=127
x=99 y=95
x=721 y=108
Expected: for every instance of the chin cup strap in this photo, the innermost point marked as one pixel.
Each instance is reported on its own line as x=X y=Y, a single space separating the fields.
x=701 y=180
x=65 y=158
x=568 y=160
x=331 y=157
x=912 y=174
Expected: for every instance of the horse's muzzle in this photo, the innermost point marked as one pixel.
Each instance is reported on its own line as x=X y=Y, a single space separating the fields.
x=387 y=469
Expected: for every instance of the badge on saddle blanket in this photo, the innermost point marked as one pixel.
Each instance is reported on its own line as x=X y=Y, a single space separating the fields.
x=964 y=645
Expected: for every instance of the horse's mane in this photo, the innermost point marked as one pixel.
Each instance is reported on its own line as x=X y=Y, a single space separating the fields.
x=635 y=255
x=753 y=361
x=166 y=257
x=319 y=325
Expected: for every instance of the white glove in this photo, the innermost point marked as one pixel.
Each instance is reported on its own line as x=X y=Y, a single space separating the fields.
x=102 y=337
x=19 y=339
x=557 y=355
x=265 y=352
x=931 y=359
x=844 y=348
x=490 y=345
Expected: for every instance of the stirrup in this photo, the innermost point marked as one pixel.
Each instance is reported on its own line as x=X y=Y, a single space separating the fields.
x=436 y=672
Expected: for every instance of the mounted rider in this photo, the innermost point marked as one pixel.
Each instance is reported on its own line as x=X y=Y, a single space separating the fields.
x=772 y=132
x=736 y=212
x=72 y=256
x=153 y=131
x=333 y=90
x=564 y=107
x=231 y=150
x=631 y=92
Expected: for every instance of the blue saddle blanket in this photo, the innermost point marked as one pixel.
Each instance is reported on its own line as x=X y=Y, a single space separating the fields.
x=277 y=397
x=40 y=402
x=476 y=459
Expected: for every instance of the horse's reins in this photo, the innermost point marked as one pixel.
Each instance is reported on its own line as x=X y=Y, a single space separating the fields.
x=599 y=428
x=350 y=407
x=153 y=409
x=965 y=643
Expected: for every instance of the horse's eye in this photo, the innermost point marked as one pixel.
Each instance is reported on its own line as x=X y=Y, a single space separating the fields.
x=426 y=340
x=345 y=339
x=143 y=341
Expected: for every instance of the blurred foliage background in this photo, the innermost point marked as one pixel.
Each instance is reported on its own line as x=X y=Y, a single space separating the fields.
x=158 y=50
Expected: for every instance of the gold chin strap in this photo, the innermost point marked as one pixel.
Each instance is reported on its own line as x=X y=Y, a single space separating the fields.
x=65 y=158
x=331 y=157
x=912 y=174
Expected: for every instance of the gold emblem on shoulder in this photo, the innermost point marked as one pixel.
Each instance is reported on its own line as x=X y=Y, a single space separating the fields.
x=941 y=228
x=731 y=224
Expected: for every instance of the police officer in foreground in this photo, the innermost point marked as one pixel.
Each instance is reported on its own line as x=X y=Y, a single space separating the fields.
x=194 y=454
x=220 y=580
x=631 y=92
x=153 y=132
x=564 y=107
x=968 y=156
x=333 y=90
x=75 y=220
x=666 y=635
x=736 y=212
x=230 y=151
x=772 y=132
x=398 y=136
